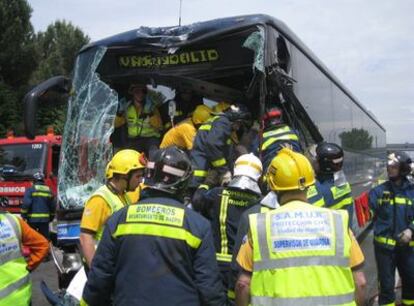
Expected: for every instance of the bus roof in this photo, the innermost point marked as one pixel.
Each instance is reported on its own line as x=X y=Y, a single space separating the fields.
x=179 y=36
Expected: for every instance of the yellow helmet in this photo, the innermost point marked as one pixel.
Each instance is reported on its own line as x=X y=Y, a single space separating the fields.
x=221 y=107
x=125 y=161
x=290 y=171
x=201 y=114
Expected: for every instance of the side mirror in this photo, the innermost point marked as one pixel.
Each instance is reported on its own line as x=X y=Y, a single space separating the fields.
x=58 y=86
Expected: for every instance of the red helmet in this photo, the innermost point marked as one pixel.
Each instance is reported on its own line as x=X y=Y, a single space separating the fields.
x=273 y=117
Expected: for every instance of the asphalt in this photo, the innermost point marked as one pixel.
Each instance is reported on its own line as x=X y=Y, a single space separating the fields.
x=47 y=272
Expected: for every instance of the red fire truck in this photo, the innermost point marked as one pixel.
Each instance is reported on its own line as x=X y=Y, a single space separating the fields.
x=20 y=159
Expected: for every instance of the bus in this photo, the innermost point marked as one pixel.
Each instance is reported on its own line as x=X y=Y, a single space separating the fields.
x=255 y=60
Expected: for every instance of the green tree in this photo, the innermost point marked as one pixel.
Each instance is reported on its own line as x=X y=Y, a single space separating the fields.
x=56 y=48
x=356 y=139
x=17 y=60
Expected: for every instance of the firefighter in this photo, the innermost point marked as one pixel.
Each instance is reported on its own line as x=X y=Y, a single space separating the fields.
x=331 y=182
x=124 y=174
x=276 y=135
x=298 y=254
x=213 y=144
x=143 y=120
x=223 y=206
x=39 y=205
x=15 y=283
x=157 y=252
x=391 y=204
x=183 y=134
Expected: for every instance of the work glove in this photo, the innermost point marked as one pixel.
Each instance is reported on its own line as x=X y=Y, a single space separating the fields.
x=213 y=178
x=405 y=236
x=226 y=178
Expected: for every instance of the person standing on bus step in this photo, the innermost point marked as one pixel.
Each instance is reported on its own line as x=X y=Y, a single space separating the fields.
x=182 y=135
x=223 y=206
x=213 y=144
x=39 y=205
x=276 y=135
x=15 y=283
x=298 y=254
x=143 y=121
x=392 y=206
x=157 y=252
x=124 y=174
x=331 y=182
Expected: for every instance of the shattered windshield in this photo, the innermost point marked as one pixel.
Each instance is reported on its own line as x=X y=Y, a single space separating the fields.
x=86 y=147
x=22 y=160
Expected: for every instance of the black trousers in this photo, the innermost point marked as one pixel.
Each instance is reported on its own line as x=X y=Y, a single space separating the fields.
x=41 y=227
x=401 y=258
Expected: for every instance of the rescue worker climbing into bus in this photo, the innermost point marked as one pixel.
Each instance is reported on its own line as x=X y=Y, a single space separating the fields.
x=331 y=190
x=277 y=134
x=182 y=135
x=143 y=120
x=39 y=205
x=392 y=208
x=223 y=206
x=212 y=147
x=288 y=258
x=157 y=252
x=123 y=174
x=185 y=101
x=15 y=282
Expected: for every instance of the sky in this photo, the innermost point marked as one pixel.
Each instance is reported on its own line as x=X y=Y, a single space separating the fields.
x=367 y=44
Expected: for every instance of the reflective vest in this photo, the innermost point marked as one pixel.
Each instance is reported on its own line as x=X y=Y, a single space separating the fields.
x=139 y=126
x=301 y=257
x=113 y=201
x=15 y=284
x=342 y=197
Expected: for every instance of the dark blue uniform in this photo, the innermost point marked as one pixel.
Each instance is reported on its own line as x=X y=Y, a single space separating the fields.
x=334 y=197
x=156 y=252
x=211 y=149
x=393 y=212
x=224 y=208
x=274 y=140
x=39 y=208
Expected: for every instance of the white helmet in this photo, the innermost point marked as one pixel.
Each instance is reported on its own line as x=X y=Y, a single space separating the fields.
x=248 y=165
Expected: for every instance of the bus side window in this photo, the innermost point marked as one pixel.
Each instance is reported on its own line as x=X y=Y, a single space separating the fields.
x=55 y=159
x=283 y=56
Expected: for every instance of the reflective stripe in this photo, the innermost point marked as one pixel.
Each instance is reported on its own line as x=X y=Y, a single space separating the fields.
x=319 y=203
x=304 y=301
x=407 y=302
x=41 y=194
x=10 y=256
x=16 y=285
x=223 y=219
x=267 y=263
x=396 y=200
x=338 y=192
x=205 y=127
x=250 y=164
x=200 y=173
x=219 y=162
x=270 y=141
x=223 y=257
x=231 y=294
x=159 y=231
x=42 y=188
x=38 y=215
x=204 y=186
x=342 y=204
x=279 y=131
x=389 y=241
